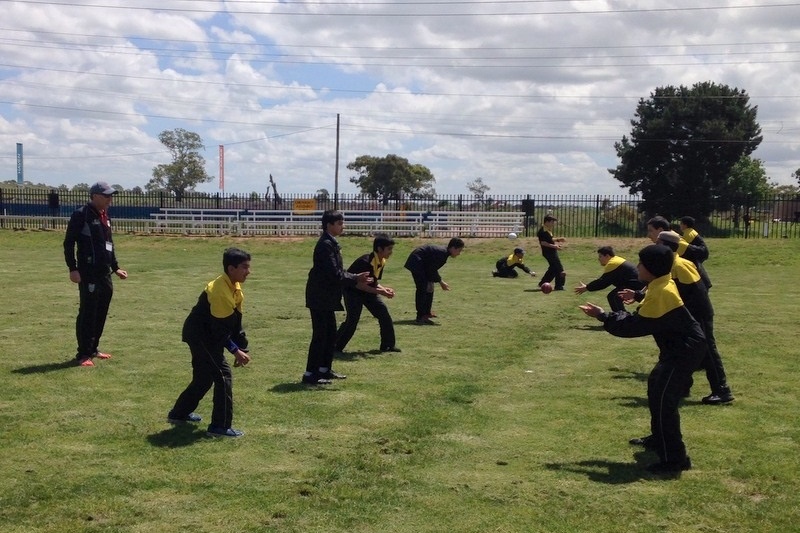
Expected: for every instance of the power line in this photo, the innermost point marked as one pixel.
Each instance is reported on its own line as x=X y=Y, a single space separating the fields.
x=412 y=13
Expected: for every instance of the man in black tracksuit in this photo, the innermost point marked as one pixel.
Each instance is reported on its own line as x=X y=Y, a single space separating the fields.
x=617 y=272
x=424 y=263
x=213 y=325
x=681 y=345
x=90 y=229
x=369 y=296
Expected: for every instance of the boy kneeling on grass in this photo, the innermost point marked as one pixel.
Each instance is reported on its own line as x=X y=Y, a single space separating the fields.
x=681 y=344
x=213 y=324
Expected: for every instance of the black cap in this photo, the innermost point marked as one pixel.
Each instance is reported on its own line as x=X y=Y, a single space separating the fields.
x=657 y=259
x=519 y=251
x=669 y=236
x=101 y=187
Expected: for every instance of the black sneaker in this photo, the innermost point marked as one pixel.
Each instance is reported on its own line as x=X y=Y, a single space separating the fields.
x=424 y=322
x=215 y=431
x=191 y=417
x=391 y=349
x=647 y=442
x=670 y=467
x=315 y=380
x=330 y=374
x=718 y=398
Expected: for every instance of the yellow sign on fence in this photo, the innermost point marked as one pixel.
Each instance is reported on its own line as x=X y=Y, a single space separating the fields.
x=305 y=205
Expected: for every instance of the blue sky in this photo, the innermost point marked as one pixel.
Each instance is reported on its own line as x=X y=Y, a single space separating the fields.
x=530 y=96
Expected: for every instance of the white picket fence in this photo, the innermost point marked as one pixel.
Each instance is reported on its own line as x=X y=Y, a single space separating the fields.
x=283 y=223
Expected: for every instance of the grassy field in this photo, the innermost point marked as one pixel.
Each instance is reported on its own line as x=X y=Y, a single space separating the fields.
x=512 y=415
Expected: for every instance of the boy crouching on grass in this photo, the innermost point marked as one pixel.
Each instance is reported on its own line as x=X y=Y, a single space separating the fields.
x=505 y=266
x=681 y=346
x=215 y=323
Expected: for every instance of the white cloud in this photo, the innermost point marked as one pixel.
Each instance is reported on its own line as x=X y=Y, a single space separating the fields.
x=529 y=96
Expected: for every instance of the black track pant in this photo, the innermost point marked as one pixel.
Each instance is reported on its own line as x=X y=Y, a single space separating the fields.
x=95 y=298
x=323 y=340
x=208 y=368
x=666 y=386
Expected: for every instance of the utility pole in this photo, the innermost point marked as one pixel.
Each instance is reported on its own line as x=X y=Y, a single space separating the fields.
x=336 y=172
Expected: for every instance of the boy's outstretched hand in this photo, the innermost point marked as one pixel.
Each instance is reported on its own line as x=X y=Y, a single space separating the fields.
x=591 y=310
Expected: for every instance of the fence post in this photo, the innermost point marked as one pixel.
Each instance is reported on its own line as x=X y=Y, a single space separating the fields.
x=528 y=207
x=596 y=215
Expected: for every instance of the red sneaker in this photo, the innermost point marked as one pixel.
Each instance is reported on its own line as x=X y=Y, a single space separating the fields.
x=87 y=361
x=101 y=355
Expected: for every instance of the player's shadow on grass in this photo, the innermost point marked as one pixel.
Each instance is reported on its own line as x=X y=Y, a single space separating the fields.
x=283 y=388
x=177 y=436
x=355 y=356
x=608 y=472
x=589 y=327
x=46 y=367
x=620 y=373
x=631 y=401
x=411 y=322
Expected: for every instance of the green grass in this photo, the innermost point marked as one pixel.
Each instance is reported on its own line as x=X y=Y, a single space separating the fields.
x=512 y=415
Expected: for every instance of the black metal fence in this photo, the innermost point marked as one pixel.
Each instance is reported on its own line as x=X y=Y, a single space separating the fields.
x=578 y=215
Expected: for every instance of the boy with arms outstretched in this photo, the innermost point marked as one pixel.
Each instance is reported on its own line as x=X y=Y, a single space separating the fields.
x=681 y=346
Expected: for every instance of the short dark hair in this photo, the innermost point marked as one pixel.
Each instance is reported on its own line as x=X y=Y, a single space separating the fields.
x=455 y=242
x=233 y=257
x=606 y=250
x=659 y=222
x=381 y=241
x=330 y=216
x=549 y=218
x=687 y=221
x=656 y=259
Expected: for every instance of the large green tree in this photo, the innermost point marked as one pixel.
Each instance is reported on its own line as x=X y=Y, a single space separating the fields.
x=747 y=181
x=683 y=145
x=747 y=177
x=187 y=169
x=388 y=178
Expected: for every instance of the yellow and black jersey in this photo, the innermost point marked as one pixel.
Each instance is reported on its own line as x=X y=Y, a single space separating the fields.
x=692 y=288
x=618 y=272
x=664 y=316
x=691 y=246
x=216 y=319
x=545 y=236
x=684 y=271
x=368 y=263
x=511 y=262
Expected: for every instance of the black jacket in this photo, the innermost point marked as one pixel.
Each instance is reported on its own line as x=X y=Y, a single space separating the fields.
x=216 y=327
x=327 y=276
x=93 y=237
x=619 y=273
x=426 y=261
x=678 y=335
x=545 y=236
